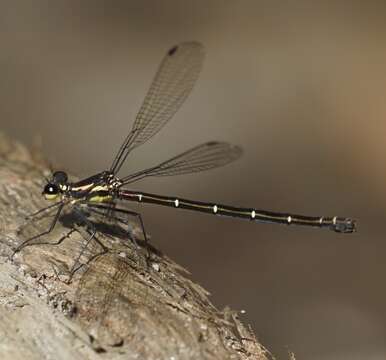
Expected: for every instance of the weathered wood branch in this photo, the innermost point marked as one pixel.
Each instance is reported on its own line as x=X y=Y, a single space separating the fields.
x=118 y=306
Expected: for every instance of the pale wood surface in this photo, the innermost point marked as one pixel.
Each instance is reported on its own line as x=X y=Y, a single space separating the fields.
x=153 y=311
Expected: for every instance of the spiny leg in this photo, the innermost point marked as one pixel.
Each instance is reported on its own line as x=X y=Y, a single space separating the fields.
x=61 y=239
x=91 y=231
x=92 y=207
x=118 y=220
x=30 y=216
x=44 y=209
x=108 y=210
x=28 y=241
x=124 y=211
x=77 y=264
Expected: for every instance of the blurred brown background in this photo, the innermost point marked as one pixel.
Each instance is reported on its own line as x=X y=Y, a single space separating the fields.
x=301 y=85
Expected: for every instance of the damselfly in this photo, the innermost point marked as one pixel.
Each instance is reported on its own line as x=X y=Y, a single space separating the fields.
x=171 y=85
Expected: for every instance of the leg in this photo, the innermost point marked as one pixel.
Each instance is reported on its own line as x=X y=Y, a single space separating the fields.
x=44 y=209
x=117 y=220
x=28 y=241
x=30 y=216
x=77 y=265
x=61 y=239
x=91 y=231
x=92 y=207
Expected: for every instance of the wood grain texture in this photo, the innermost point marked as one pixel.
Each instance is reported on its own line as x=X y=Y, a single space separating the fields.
x=116 y=307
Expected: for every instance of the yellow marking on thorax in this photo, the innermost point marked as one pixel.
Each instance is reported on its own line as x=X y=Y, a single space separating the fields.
x=82 y=188
x=100 y=188
x=100 y=198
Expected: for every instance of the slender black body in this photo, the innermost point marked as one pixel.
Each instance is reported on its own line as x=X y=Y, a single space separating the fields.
x=334 y=223
x=172 y=84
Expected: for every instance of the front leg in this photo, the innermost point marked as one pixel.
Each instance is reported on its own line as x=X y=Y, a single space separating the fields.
x=30 y=216
x=51 y=227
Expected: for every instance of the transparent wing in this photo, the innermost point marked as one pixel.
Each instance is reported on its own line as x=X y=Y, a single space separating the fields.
x=171 y=85
x=203 y=157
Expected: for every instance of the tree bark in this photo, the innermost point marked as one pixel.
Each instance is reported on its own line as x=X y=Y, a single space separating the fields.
x=117 y=305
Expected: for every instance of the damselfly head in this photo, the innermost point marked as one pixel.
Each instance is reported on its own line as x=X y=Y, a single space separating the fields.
x=55 y=186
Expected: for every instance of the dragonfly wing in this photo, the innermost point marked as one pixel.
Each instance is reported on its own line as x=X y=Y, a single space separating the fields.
x=171 y=85
x=200 y=158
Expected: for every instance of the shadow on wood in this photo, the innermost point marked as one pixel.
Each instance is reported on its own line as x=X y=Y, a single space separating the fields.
x=117 y=306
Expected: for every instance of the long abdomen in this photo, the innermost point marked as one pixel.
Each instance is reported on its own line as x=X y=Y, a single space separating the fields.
x=338 y=224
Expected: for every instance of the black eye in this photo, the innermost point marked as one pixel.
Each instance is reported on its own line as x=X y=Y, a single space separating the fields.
x=59 y=177
x=51 y=189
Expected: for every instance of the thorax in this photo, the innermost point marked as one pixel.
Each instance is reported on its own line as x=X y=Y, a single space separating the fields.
x=97 y=188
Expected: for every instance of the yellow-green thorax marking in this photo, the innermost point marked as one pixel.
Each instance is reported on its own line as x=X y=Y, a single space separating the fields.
x=98 y=188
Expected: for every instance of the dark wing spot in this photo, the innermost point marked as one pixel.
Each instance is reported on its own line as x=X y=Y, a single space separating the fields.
x=172 y=51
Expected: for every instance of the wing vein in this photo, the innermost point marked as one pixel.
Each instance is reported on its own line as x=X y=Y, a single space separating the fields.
x=171 y=85
x=202 y=157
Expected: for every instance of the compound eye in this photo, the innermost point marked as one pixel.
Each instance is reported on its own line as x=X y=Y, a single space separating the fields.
x=51 y=191
x=59 y=177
